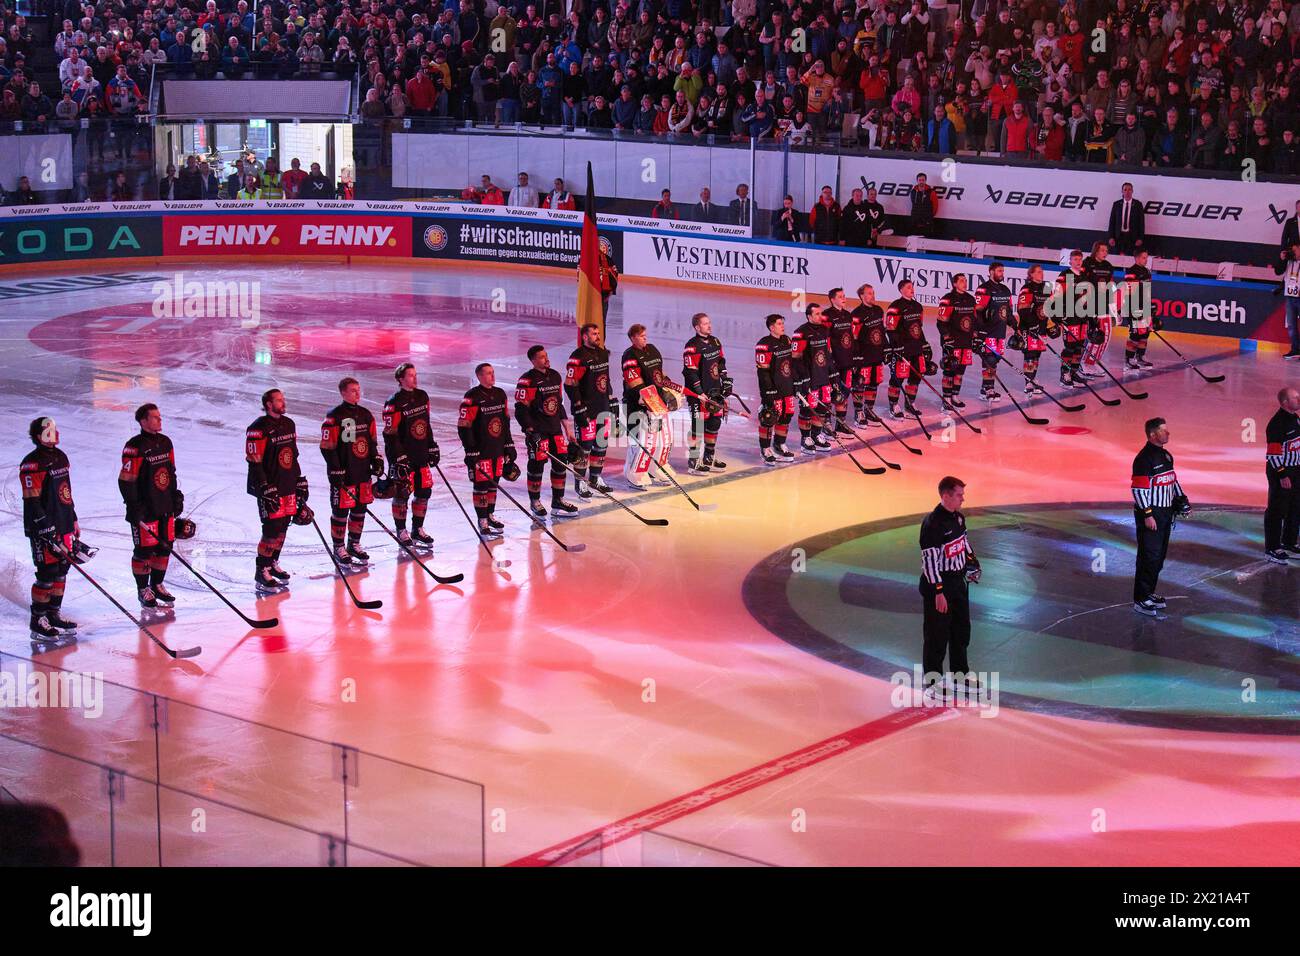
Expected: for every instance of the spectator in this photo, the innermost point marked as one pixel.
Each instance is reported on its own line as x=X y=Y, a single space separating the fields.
x=250 y=188
x=346 y=188
x=1290 y=289
x=234 y=58
x=625 y=110
x=644 y=122
x=119 y=189
x=489 y=193
x=855 y=222
x=706 y=210
x=819 y=87
x=1205 y=146
x=169 y=187
x=1286 y=158
x=924 y=207
x=36 y=106
x=559 y=198
x=680 y=114
x=317 y=185
x=941 y=134
x=742 y=207
x=23 y=195
x=785 y=222
x=1100 y=143
x=293 y=179
x=523 y=195
x=1233 y=154
x=800 y=130
x=1130 y=142
x=1127 y=231
x=824 y=219
x=1049 y=137
x=1017 y=132
x=664 y=208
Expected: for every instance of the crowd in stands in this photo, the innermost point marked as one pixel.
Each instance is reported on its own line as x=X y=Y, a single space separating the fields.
x=1205 y=84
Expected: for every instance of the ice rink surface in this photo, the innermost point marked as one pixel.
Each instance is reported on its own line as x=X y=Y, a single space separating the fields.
x=723 y=681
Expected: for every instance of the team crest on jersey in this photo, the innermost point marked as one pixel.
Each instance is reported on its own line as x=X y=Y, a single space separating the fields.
x=846 y=340
x=785 y=367
x=965 y=323
x=162 y=479
x=602 y=383
x=361 y=447
x=658 y=377
x=494 y=427
x=713 y=371
x=286 y=457
x=550 y=406
x=914 y=330
x=820 y=358
x=876 y=336
x=65 y=493
x=419 y=428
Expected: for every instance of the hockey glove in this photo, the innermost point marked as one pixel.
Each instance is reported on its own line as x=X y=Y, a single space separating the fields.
x=1156 y=324
x=178 y=501
x=81 y=552
x=49 y=538
x=511 y=453
x=301 y=491
x=401 y=467
x=269 y=498
x=376 y=466
x=1016 y=342
x=510 y=471
x=671 y=400
x=1096 y=335
x=185 y=529
x=435 y=454
x=766 y=416
x=728 y=386
x=336 y=476
x=303 y=515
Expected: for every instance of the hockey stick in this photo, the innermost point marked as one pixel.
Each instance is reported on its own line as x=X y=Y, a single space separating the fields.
x=499 y=564
x=367 y=605
x=947 y=405
x=654 y=461
x=1042 y=390
x=653 y=522
x=742 y=403
x=998 y=378
x=182 y=652
x=440 y=578
x=893 y=466
x=834 y=422
x=1136 y=396
x=533 y=518
x=260 y=623
x=1213 y=379
x=1108 y=402
x=711 y=403
x=871 y=413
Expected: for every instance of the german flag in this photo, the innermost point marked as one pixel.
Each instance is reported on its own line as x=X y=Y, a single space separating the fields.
x=589 y=305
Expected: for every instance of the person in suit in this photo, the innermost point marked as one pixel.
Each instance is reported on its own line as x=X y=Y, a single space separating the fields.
x=742 y=207
x=785 y=222
x=207 y=185
x=1127 y=233
x=706 y=210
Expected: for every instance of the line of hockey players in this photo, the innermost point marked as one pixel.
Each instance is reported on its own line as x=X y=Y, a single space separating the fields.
x=836 y=354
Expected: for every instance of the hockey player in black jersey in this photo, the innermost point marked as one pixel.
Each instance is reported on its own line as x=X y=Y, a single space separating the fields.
x=993 y=313
x=1135 y=308
x=812 y=379
x=869 y=332
x=1031 y=325
x=704 y=372
x=774 y=360
x=50 y=523
x=276 y=480
x=412 y=454
x=594 y=407
x=539 y=409
x=349 y=443
x=490 y=454
x=905 y=348
x=154 y=504
x=845 y=359
x=1099 y=272
x=957 y=337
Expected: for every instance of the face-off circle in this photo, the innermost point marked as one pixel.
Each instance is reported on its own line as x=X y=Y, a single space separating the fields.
x=1053 y=617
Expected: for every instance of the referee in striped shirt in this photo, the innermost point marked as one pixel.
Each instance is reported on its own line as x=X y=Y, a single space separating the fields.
x=947 y=563
x=1157 y=498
